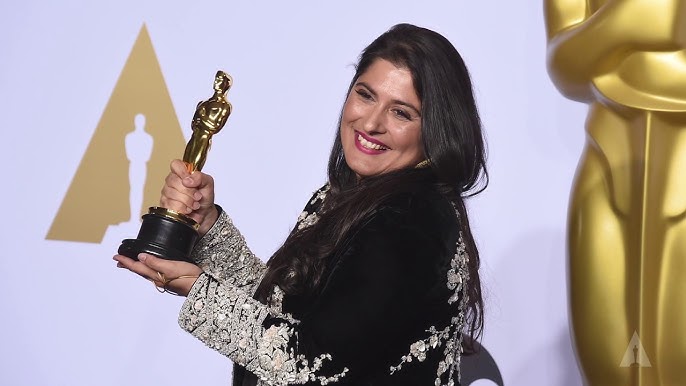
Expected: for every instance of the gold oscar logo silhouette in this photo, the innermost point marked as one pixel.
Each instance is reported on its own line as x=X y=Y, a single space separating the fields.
x=139 y=111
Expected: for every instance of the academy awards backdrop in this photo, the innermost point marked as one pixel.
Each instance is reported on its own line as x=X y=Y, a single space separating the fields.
x=96 y=98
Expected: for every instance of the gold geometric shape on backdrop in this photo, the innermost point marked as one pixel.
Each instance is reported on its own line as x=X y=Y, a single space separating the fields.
x=98 y=195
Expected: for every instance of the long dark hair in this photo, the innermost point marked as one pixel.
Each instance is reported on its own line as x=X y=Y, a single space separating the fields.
x=453 y=143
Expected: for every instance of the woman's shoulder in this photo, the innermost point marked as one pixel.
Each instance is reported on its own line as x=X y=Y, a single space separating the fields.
x=423 y=206
x=410 y=224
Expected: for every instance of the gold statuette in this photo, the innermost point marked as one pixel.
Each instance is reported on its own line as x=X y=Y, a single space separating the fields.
x=164 y=232
x=626 y=59
x=210 y=116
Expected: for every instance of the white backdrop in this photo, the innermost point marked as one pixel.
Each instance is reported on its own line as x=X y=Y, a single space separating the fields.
x=69 y=317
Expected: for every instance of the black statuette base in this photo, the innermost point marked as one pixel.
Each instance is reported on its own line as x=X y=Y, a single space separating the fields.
x=163 y=237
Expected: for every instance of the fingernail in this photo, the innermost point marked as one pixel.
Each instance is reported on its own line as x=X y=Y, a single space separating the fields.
x=188 y=179
x=197 y=196
x=142 y=256
x=196 y=205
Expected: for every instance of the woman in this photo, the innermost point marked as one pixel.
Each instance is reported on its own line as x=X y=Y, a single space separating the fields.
x=379 y=279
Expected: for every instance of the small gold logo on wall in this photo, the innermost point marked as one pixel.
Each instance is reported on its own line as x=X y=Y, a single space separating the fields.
x=134 y=141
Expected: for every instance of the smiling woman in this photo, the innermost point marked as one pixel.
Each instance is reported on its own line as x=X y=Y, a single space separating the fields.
x=378 y=282
x=381 y=123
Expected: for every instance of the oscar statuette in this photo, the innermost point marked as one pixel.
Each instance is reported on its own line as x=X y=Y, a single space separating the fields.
x=166 y=233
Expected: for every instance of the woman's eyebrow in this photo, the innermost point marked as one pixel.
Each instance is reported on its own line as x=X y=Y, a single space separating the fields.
x=394 y=101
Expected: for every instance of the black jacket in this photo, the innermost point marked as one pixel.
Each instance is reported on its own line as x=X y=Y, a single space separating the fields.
x=389 y=313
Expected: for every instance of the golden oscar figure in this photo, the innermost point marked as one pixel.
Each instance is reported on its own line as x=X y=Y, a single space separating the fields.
x=164 y=232
x=627 y=216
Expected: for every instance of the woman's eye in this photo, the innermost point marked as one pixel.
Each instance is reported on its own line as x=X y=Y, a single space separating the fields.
x=402 y=114
x=364 y=94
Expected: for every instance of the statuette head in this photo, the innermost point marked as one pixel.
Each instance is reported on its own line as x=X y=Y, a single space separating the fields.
x=222 y=82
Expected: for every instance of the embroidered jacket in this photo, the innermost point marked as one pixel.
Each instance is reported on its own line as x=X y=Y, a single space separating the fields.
x=390 y=313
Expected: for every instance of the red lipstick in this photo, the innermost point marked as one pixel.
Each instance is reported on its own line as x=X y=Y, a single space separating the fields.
x=367 y=139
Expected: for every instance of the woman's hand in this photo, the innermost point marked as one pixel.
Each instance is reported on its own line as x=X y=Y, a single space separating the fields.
x=168 y=275
x=191 y=194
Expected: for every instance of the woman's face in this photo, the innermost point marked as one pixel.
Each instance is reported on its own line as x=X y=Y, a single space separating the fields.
x=381 y=122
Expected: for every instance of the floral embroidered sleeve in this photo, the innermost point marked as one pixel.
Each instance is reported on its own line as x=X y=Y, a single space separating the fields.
x=224 y=254
x=257 y=337
x=391 y=297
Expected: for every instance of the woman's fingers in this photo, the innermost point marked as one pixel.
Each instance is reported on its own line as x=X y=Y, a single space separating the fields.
x=190 y=180
x=174 y=181
x=179 y=201
x=191 y=194
x=140 y=268
x=180 y=169
x=176 y=195
x=149 y=266
x=174 y=276
x=156 y=264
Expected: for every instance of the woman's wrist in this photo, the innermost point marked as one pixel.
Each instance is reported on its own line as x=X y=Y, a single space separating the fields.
x=209 y=221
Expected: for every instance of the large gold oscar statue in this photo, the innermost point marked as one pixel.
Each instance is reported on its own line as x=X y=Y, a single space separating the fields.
x=627 y=217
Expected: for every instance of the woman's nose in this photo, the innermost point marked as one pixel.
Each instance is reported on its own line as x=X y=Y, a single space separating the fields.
x=373 y=120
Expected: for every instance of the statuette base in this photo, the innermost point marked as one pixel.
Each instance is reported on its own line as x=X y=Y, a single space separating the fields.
x=170 y=236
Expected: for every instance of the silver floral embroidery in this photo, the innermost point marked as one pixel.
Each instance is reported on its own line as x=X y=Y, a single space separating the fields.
x=320 y=194
x=232 y=322
x=224 y=254
x=306 y=220
x=451 y=336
